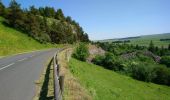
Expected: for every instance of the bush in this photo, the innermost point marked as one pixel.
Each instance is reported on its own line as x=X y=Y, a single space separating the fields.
x=142 y=72
x=144 y=58
x=109 y=61
x=81 y=52
x=98 y=60
x=165 y=60
x=162 y=75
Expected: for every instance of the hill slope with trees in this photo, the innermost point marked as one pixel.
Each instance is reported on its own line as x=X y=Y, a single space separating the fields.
x=13 y=41
x=43 y=24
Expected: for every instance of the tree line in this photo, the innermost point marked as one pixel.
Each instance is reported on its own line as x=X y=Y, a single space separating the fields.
x=44 y=24
x=159 y=51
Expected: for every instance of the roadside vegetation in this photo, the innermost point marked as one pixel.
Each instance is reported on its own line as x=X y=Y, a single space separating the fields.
x=81 y=52
x=124 y=67
x=104 y=84
x=13 y=41
x=73 y=90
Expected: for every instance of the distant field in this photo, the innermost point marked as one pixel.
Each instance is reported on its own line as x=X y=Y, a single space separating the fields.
x=13 y=41
x=145 y=40
x=105 y=84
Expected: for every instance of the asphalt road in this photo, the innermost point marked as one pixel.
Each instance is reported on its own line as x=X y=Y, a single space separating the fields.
x=18 y=74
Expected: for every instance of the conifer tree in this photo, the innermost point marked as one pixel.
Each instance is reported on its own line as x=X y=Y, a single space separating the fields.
x=151 y=47
x=2 y=8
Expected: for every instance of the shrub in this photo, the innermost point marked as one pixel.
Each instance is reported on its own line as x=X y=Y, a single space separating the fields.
x=165 y=60
x=81 y=52
x=162 y=75
x=142 y=72
x=109 y=61
x=98 y=60
x=118 y=65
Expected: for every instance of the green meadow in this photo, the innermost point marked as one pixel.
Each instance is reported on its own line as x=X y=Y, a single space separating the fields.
x=103 y=84
x=145 y=40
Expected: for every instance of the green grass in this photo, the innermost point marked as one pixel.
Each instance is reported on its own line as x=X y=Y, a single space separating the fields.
x=105 y=84
x=13 y=41
x=145 y=40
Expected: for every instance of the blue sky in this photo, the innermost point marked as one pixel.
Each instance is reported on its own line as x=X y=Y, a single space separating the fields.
x=105 y=19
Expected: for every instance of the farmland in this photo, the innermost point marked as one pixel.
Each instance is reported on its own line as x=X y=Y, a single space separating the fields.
x=145 y=40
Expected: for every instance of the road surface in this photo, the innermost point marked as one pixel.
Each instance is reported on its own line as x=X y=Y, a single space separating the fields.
x=18 y=74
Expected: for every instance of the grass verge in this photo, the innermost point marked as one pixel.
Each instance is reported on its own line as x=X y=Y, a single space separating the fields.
x=105 y=84
x=72 y=88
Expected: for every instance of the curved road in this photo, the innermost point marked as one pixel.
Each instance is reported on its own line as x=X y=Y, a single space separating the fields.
x=18 y=74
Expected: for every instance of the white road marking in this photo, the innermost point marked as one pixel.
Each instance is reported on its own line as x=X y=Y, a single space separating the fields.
x=32 y=56
x=7 y=66
x=23 y=59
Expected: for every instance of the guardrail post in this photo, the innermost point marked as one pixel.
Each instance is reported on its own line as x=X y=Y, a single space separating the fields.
x=58 y=69
x=61 y=82
x=56 y=59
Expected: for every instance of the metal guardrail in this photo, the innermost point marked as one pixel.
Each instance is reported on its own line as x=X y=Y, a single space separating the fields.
x=58 y=80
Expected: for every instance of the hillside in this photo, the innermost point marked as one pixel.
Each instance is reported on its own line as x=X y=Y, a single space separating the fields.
x=13 y=41
x=104 y=84
x=145 y=40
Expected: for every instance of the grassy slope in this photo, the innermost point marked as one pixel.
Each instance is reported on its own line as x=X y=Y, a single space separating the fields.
x=13 y=41
x=104 y=84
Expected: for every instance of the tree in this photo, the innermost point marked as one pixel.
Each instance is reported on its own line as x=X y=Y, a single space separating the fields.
x=69 y=19
x=34 y=11
x=14 y=15
x=57 y=33
x=85 y=37
x=59 y=15
x=41 y=11
x=34 y=23
x=137 y=47
x=49 y=12
x=169 y=47
x=162 y=51
x=2 y=8
x=165 y=60
x=151 y=47
x=69 y=37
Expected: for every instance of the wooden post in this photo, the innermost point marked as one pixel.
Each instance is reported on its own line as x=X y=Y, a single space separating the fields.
x=58 y=69
x=61 y=82
x=56 y=59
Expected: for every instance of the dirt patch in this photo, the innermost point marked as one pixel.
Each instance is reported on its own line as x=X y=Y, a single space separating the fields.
x=94 y=50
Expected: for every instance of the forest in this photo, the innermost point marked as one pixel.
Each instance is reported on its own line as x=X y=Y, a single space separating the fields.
x=45 y=24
